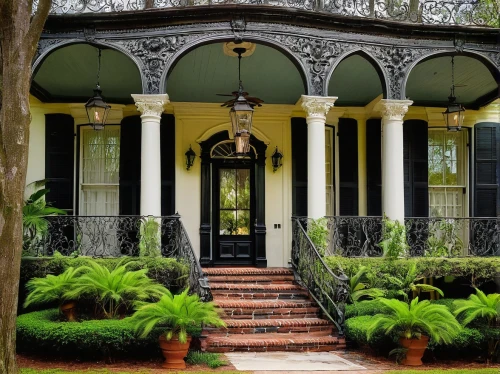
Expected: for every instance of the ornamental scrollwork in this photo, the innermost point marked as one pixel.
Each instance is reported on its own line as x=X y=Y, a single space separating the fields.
x=44 y=45
x=396 y=61
x=317 y=55
x=154 y=54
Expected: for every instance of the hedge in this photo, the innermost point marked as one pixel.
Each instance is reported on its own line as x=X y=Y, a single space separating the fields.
x=167 y=271
x=43 y=331
x=471 y=341
x=478 y=270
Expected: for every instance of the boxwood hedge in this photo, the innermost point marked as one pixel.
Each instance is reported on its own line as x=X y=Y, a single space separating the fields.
x=43 y=331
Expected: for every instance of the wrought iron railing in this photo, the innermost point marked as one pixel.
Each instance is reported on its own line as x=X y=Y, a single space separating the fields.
x=435 y=12
x=116 y=236
x=330 y=291
x=429 y=236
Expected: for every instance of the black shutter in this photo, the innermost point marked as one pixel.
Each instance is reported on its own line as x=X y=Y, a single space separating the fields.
x=59 y=160
x=299 y=166
x=167 y=135
x=416 y=174
x=348 y=167
x=486 y=169
x=130 y=166
x=374 y=166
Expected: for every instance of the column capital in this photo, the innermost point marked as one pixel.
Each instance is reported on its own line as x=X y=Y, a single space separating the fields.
x=317 y=106
x=151 y=105
x=394 y=109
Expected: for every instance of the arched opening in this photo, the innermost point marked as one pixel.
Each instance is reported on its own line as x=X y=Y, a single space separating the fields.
x=69 y=75
x=356 y=81
x=207 y=70
x=429 y=82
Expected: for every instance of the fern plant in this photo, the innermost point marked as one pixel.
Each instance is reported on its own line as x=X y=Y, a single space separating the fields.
x=360 y=288
x=408 y=283
x=480 y=307
x=150 y=240
x=416 y=319
x=176 y=313
x=114 y=291
x=35 y=225
x=52 y=288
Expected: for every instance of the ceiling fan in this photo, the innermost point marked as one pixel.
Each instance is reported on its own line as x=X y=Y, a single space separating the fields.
x=240 y=95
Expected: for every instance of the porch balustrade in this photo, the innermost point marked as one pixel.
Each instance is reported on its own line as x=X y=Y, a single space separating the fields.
x=116 y=236
x=432 y=236
x=434 y=12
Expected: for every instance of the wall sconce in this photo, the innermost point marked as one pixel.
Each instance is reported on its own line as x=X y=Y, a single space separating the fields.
x=190 y=156
x=276 y=159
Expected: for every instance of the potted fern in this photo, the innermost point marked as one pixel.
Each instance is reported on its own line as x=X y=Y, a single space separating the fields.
x=176 y=313
x=415 y=323
x=55 y=288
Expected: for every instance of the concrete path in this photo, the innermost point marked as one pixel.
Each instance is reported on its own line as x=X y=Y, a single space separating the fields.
x=291 y=361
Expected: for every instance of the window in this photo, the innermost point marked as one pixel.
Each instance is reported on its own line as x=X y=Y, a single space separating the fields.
x=447 y=177
x=99 y=175
x=329 y=174
x=234 y=201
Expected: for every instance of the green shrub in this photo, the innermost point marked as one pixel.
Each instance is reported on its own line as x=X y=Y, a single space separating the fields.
x=43 y=332
x=477 y=270
x=318 y=233
x=150 y=239
x=393 y=239
x=212 y=360
x=166 y=271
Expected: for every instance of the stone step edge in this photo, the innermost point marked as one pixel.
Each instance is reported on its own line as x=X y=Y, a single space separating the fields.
x=270 y=340
x=247 y=271
x=262 y=303
x=298 y=322
x=256 y=287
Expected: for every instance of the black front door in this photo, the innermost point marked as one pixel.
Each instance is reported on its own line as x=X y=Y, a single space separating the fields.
x=233 y=206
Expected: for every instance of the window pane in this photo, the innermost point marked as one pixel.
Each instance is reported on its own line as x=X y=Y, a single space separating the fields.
x=446 y=158
x=101 y=156
x=227 y=189
x=243 y=189
x=228 y=224
x=243 y=221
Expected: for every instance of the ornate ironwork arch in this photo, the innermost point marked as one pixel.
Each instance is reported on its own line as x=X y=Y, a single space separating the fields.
x=371 y=59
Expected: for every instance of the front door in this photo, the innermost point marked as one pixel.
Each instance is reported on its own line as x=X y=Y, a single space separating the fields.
x=233 y=213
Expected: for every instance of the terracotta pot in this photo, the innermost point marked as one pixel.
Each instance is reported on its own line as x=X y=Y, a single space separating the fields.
x=416 y=349
x=174 y=352
x=68 y=309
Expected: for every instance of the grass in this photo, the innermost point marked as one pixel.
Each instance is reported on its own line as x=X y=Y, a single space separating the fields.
x=212 y=360
x=449 y=371
x=104 y=371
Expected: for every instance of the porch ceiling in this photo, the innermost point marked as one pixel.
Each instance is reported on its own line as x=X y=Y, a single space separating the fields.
x=430 y=81
x=69 y=74
x=355 y=82
x=206 y=71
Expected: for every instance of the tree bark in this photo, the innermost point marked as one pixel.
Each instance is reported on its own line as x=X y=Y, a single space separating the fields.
x=19 y=35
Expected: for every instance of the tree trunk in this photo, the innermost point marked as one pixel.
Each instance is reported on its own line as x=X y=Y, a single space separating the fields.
x=19 y=37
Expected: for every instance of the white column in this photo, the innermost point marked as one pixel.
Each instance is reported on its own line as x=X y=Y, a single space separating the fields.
x=393 y=189
x=362 y=187
x=151 y=107
x=316 y=108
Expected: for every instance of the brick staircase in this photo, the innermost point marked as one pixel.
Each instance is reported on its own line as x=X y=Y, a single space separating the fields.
x=265 y=310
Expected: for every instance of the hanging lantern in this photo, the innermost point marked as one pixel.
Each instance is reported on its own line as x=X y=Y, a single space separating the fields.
x=455 y=113
x=242 y=142
x=241 y=116
x=97 y=109
x=190 y=157
x=276 y=159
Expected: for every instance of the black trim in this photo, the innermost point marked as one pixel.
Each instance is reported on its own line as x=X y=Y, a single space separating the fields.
x=299 y=166
x=374 y=167
x=348 y=167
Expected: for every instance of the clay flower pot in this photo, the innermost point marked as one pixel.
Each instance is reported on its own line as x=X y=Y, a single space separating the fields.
x=68 y=309
x=416 y=349
x=174 y=352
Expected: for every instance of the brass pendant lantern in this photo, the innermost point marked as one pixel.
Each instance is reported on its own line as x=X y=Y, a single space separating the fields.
x=454 y=113
x=97 y=109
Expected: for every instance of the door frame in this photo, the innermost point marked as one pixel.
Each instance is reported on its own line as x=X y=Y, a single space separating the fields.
x=207 y=256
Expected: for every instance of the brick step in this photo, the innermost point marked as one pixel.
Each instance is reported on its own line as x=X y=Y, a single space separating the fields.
x=261 y=294
x=247 y=271
x=271 y=313
x=258 y=326
x=255 y=287
x=273 y=342
x=251 y=279
x=262 y=304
